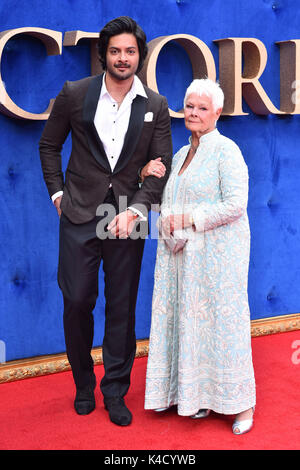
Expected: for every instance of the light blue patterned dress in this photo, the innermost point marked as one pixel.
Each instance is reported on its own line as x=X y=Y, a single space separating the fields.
x=200 y=342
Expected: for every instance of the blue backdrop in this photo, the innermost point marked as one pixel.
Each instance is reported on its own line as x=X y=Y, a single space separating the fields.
x=30 y=301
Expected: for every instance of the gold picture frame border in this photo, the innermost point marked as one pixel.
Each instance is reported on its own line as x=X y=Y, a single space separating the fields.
x=52 y=364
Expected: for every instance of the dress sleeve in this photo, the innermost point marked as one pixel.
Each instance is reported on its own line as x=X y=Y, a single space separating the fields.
x=233 y=184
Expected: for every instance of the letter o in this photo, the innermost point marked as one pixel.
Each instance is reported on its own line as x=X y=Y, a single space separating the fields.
x=203 y=64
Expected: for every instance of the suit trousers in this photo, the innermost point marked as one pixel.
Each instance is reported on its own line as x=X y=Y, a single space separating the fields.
x=80 y=256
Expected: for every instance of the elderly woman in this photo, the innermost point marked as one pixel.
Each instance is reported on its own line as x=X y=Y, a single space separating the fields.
x=200 y=343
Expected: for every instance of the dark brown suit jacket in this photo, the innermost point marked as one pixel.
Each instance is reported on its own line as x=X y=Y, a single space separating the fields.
x=88 y=175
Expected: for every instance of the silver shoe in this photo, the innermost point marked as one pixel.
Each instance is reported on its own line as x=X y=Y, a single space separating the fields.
x=241 y=427
x=203 y=413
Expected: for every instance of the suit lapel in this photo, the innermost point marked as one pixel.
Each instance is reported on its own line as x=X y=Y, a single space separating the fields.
x=135 y=126
x=89 y=111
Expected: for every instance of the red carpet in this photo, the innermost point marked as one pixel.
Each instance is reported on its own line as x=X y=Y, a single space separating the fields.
x=37 y=414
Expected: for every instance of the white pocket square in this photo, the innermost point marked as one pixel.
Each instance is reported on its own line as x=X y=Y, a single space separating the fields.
x=148 y=117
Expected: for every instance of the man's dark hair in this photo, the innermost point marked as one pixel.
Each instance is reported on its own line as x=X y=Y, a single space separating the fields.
x=123 y=24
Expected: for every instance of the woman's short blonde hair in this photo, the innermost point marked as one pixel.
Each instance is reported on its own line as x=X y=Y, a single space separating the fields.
x=207 y=87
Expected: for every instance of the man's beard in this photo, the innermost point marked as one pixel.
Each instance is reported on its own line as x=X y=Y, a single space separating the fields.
x=121 y=76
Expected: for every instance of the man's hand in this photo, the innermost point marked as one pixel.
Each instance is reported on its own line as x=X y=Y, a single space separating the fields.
x=153 y=168
x=122 y=225
x=57 y=202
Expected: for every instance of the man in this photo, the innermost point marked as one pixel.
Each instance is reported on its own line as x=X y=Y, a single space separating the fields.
x=118 y=126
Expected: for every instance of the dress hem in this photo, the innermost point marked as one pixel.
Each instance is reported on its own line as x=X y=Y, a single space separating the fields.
x=215 y=409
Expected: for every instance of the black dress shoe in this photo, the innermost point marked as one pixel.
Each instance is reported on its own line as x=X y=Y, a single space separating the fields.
x=85 y=400
x=118 y=411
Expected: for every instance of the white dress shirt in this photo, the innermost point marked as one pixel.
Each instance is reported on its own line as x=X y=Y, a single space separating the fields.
x=111 y=122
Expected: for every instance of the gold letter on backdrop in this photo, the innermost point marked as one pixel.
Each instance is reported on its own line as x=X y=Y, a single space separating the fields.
x=202 y=60
x=241 y=64
x=71 y=38
x=239 y=79
x=290 y=76
x=53 y=42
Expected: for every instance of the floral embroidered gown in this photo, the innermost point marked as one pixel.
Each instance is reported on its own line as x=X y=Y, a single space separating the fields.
x=200 y=342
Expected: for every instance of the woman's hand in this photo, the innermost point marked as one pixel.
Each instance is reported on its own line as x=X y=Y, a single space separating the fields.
x=174 y=222
x=153 y=168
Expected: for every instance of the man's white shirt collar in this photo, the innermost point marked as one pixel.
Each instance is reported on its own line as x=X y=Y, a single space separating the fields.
x=136 y=88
